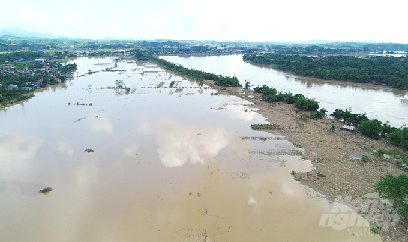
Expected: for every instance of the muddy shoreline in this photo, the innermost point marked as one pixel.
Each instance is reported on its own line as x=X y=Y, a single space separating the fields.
x=330 y=153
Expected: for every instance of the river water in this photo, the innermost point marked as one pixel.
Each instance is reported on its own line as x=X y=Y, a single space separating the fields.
x=382 y=103
x=169 y=164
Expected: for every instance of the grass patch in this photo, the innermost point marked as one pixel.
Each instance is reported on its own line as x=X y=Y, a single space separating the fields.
x=320 y=159
x=399 y=156
x=375 y=228
x=304 y=117
x=297 y=145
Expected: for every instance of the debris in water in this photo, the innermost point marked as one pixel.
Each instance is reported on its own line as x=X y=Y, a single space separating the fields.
x=45 y=190
x=89 y=150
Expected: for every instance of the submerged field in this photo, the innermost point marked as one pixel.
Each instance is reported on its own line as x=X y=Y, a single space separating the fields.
x=157 y=159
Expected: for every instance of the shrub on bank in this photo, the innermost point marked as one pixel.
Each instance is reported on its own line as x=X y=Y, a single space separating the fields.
x=318 y=114
x=306 y=104
x=348 y=117
x=399 y=137
x=298 y=100
x=371 y=128
x=395 y=188
x=374 y=128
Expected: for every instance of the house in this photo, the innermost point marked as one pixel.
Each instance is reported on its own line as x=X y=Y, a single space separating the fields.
x=36 y=84
x=12 y=87
x=28 y=89
x=40 y=60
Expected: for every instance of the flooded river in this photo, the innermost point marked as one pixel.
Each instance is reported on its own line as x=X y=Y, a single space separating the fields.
x=383 y=103
x=169 y=164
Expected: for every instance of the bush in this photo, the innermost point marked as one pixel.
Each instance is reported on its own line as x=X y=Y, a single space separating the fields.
x=348 y=117
x=399 y=137
x=318 y=114
x=247 y=85
x=286 y=97
x=387 y=129
x=304 y=117
x=371 y=128
x=395 y=188
x=306 y=104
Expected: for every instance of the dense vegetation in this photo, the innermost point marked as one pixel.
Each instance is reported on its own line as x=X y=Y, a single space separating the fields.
x=29 y=55
x=392 y=71
x=374 y=128
x=396 y=189
x=219 y=80
x=300 y=102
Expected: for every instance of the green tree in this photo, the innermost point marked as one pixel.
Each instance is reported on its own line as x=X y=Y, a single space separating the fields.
x=371 y=128
x=396 y=189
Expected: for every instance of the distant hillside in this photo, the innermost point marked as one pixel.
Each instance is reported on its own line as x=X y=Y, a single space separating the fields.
x=17 y=32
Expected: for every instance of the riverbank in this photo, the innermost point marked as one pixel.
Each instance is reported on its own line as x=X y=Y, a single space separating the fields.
x=330 y=153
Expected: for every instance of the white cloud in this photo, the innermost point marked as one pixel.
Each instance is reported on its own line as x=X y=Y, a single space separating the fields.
x=70 y=19
x=81 y=26
x=31 y=16
x=152 y=23
x=102 y=28
x=26 y=15
x=257 y=20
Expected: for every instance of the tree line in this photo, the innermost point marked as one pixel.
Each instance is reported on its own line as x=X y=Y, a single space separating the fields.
x=219 y=80
x=374 y=128
x=392 y=71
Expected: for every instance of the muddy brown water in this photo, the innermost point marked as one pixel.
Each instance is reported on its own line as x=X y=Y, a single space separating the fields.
x=383 y=103
x=166 y=166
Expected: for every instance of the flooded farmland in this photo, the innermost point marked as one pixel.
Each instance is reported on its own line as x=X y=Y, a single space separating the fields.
x=164 y=164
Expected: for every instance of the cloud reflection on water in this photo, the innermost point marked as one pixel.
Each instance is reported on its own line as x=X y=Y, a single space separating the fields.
x=180 y=142
x=16 y=152
x=65 y=148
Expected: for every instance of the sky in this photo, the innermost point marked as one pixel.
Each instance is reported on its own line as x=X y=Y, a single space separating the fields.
x=255 y=20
